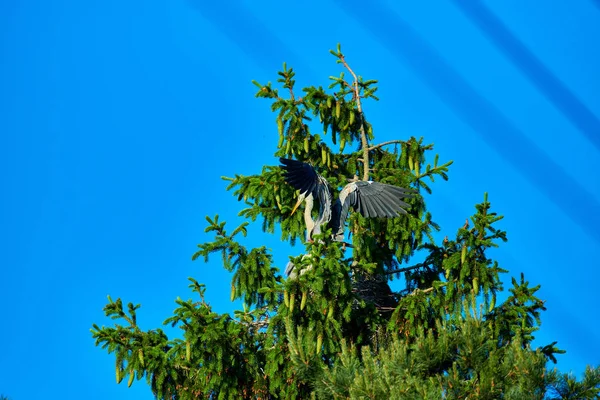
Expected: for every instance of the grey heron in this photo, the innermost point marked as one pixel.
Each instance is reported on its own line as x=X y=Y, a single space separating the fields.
x=371 y=199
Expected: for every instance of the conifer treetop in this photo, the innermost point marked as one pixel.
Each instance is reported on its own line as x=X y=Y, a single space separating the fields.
x=340 y=329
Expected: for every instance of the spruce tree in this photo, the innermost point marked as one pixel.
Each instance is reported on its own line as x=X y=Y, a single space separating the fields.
x=337 y=330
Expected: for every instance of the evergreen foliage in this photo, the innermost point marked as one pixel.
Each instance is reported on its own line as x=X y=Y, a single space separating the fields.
x=338 y=330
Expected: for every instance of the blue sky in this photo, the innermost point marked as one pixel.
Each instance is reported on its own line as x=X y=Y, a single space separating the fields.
x=117 y=120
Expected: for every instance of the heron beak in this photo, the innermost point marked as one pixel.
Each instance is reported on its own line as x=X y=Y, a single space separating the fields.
x=297 y=205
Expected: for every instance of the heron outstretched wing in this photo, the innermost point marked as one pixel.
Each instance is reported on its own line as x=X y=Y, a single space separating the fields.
x=374 y=199
x=301 y=176
x=371 y=199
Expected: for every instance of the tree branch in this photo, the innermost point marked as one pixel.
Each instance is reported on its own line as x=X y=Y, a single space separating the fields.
x=363 y=133
x=261 y=323
x=397 y=271
x=383 y=308
x=385 y=144
x=414 y=292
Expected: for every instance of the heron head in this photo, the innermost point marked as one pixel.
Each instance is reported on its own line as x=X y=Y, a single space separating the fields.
x=300 y=200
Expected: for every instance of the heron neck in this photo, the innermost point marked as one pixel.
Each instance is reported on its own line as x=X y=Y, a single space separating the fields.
x=308 y=221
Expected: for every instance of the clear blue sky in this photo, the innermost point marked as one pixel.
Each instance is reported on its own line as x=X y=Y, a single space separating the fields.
x=117 y=119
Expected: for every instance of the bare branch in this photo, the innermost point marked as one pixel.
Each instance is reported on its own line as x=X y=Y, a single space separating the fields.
x=397 y=271
x=363 y=133
x=383 y=308
x=421 y=291
x=349 y=85
x=263 y=323
x=385 y=144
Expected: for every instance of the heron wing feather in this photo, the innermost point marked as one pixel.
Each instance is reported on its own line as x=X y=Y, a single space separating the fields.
x=380 y=199
x=301 y=176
